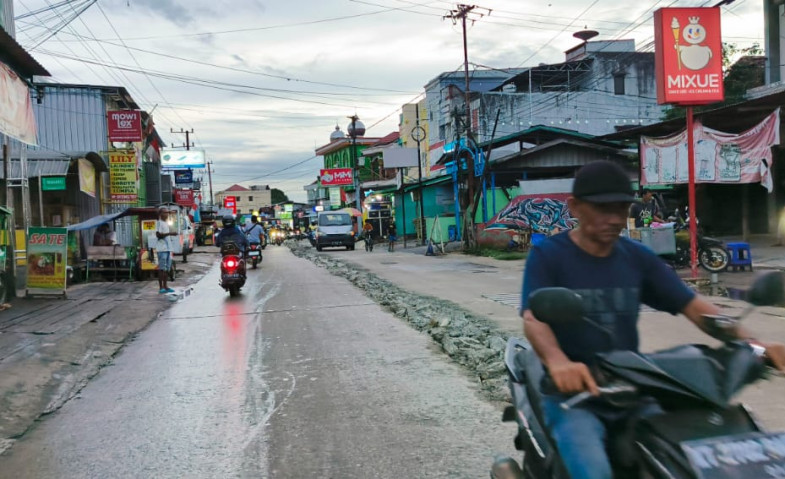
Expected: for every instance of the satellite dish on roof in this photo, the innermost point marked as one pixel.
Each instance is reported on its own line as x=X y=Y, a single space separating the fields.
x=585 y=35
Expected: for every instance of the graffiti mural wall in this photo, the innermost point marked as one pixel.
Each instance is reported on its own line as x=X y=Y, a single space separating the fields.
x=541 y=213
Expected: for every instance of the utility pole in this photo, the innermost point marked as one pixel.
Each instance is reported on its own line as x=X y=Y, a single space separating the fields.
x=462 y=12
x=210 y=179
x=187 y=133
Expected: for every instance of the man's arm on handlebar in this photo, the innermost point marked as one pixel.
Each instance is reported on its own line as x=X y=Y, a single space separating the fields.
x=699 y=307
x=568 y=376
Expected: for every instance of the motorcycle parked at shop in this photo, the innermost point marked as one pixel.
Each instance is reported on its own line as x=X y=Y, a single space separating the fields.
x=712 y=253
x=699 y=429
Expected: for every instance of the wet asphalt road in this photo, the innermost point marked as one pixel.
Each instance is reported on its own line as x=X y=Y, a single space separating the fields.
x=300 y=377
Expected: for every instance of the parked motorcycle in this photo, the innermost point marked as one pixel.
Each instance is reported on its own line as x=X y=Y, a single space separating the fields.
x=712 y=253
x=699 y=435
x=232 y=268
x=255 y=254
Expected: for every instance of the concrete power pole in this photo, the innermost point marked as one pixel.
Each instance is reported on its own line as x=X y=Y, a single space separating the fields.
x=187 y=133
x=462 y=12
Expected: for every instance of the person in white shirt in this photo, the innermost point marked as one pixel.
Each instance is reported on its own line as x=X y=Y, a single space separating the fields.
x=163 y=249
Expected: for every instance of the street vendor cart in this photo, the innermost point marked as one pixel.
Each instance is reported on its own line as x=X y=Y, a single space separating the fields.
x=137 y=260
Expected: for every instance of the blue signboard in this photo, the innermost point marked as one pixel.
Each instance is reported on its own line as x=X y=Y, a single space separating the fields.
x=183 y=176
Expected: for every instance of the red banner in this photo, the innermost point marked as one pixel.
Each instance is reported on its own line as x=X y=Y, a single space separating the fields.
x=231 y=203
x=184 y=197
x=688 y=55
x=124 y=125
x=336 y=176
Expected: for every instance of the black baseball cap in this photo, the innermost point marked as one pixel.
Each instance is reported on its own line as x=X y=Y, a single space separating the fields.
x=603 y=182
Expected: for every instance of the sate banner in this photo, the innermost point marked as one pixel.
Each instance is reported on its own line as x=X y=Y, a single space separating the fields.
x=722 y=158
x=86 y=177
x=47 y=250
x=123 y=187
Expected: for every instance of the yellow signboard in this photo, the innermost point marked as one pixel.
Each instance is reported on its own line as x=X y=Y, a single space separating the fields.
x=123 y=184
x=86 y=177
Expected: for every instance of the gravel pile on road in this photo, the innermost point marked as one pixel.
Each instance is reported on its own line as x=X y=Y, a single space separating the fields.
x=472 y=341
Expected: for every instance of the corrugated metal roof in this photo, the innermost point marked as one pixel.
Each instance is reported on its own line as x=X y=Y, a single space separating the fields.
x=36 y=168
x=71 y=119
x=13 y=55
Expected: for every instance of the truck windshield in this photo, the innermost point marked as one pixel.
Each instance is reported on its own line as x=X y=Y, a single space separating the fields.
x=334 y=220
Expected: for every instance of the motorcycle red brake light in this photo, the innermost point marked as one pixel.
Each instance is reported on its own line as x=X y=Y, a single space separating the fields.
x=230 y=263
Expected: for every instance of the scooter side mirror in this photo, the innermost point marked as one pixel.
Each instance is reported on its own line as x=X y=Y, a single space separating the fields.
x=556 y=305
x=768 y=289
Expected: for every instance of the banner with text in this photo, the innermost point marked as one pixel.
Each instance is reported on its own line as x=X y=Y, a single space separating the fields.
x=336 y=176
x=123 y=184
x=46 y=259
x=124 y=125
x=723 y=158
x=688 y=55
x=184 y=197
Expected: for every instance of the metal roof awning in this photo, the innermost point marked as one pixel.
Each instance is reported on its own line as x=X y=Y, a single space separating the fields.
x=41 y=165
x=36 y=168
x=15 y=56
x=428 y=182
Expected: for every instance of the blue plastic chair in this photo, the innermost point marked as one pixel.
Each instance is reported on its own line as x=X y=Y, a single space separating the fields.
x=740 y=256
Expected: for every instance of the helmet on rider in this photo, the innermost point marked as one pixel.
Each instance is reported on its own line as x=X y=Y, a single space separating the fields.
x=227 y=221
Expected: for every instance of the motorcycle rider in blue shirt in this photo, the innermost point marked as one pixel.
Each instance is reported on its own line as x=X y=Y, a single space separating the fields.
x=255 y=231
x=614 y=275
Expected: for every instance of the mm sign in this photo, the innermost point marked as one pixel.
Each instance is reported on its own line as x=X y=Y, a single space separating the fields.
x=688 y=56
x=336 y=176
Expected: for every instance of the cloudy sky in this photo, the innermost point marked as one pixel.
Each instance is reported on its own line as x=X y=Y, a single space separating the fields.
x=264 y=82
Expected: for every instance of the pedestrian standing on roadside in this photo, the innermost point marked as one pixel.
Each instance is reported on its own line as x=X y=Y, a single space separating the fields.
x=163 y=249
x=392 y=236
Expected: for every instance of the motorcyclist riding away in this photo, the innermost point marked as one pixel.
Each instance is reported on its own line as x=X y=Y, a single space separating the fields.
x=255 y=231
x=614 y=276
x=231 y=233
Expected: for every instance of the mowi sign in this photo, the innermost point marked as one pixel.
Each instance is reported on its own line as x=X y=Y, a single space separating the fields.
x=688 y=56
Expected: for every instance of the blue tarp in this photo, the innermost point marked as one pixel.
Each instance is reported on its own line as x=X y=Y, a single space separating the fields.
x=96 y=221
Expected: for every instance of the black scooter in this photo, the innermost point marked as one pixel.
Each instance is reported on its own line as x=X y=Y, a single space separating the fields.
x=233 y=274
x=700 y=435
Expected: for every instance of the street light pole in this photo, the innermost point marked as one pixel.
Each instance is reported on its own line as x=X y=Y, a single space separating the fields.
x=356 y=128
x=418 y=133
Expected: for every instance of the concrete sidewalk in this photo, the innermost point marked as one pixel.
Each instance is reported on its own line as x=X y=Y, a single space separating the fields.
x=50 y=348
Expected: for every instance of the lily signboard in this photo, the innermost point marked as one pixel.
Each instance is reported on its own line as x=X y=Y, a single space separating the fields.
x=123 y=184
x=336 y=176
x=688 y=55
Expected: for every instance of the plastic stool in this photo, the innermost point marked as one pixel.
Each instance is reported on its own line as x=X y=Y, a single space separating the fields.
x=740 y=256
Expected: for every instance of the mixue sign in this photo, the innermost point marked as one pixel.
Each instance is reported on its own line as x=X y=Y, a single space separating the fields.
x=336 y=176
x=124 y=125
x=688 y=55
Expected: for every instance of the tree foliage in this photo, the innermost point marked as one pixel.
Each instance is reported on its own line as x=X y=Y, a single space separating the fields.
x=278 y=196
